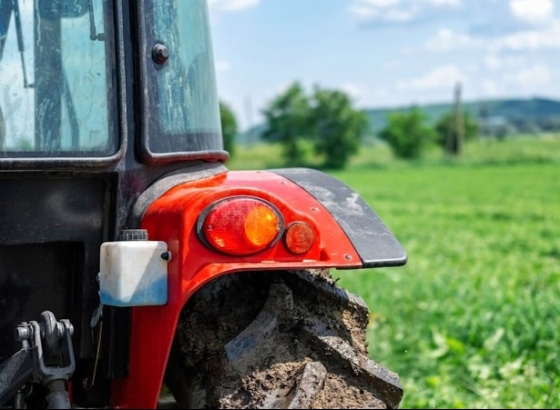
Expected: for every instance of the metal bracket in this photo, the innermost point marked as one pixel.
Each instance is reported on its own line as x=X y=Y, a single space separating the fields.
x=46 y=357
x=58 y=338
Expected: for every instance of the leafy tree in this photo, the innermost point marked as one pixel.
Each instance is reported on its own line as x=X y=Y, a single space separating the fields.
x=447 y=131
x=407 y=133
x=550 y=124
x=326 y=119
x=289 y=122
x=338 y=127
x=229 y=127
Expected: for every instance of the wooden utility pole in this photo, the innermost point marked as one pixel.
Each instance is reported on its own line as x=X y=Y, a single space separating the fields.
x=456 y=130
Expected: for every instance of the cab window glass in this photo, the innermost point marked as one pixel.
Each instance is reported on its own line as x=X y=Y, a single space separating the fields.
x=53 y=79
x=187 y=97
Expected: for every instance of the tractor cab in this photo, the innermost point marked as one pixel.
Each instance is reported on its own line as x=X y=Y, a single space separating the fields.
x=98 y=99
x=130 y=256
x=63 y=80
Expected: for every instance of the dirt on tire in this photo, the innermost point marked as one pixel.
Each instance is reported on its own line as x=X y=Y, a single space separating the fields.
x=277 y=340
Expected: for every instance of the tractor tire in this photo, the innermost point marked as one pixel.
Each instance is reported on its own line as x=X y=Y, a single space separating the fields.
x=280 y=340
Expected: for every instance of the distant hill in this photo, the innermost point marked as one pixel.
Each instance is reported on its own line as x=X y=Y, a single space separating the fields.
x=516 y=115
x=527 y=114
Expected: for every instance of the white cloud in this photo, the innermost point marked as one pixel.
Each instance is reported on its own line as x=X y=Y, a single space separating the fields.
x=282 y=88
x=452 y=3
x=493 y=62
x=490 y=87
x=529 y=77
x=443 y=77
x=448 y=40
x=353 y=90
x=372 y=9
x=380 y=3
x=500 y=62
x=231 y=5
x=517 y=79
x=539 y=38
x=397 y=11
x=546 y=38
x=400 y=16
x=532 y=11
x=223 y=66
x=392 y=65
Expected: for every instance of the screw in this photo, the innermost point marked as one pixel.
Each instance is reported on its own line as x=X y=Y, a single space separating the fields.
x=160 y=54
x=348 y=257
x=166 y=256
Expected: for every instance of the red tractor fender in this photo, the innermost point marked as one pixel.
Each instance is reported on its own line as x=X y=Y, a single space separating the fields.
x=172 y=218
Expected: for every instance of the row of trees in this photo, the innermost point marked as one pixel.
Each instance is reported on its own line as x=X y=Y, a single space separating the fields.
x=324 y=121
x=409 y=133
x=327 y=122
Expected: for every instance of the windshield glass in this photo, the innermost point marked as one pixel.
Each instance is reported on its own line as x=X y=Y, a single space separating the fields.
x=189 y=118
x=54 y=88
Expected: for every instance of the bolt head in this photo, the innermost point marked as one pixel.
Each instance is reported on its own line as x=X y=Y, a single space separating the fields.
x=160 y=54
x=22 y=333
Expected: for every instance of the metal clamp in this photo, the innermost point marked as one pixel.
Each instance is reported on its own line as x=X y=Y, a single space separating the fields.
x=53 y=362
x=58 y=341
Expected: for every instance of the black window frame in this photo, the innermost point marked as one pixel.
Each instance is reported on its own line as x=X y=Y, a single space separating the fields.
x=86 y=160
x=202 y=146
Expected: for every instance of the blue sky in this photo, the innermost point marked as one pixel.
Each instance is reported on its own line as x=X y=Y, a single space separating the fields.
x=385 y=52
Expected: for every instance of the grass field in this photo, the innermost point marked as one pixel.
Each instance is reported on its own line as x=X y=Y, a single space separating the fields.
x=473 y=320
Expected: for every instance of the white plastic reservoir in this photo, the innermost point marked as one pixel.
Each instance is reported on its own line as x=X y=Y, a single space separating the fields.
x=133 y=273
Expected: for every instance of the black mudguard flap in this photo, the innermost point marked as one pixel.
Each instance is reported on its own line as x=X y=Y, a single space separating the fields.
x=373 y=241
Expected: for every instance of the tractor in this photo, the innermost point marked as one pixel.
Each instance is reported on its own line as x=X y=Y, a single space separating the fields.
x=136 y=270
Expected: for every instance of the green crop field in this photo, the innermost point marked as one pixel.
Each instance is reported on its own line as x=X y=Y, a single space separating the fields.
x=473 y=320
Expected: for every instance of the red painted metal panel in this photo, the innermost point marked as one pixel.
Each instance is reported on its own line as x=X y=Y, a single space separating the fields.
x=172 y=218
